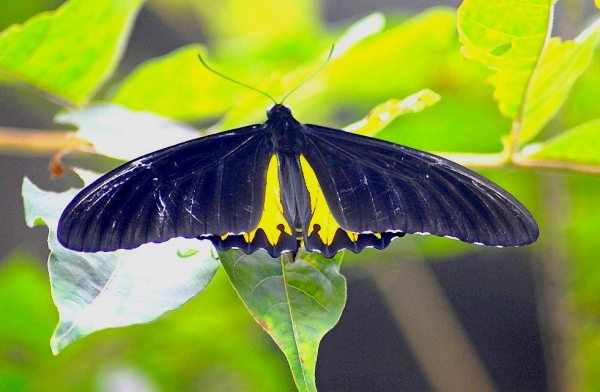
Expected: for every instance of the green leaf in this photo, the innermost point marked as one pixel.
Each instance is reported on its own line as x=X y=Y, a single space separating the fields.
x=301 y=77
x=358 y=31
x=578 y=145
x=399 y=60
x=487 y=28
x=381 y=115
x=15 y=12
x=296 y=303
x=560 y=65
x=24 y=284
x=534 y=74
x=418 y=52
x=580 y=228
x=261 y=28
x=94 y=291
x=177 y=86
x=582 y=103
x=117 y=132
x=241 y=359
x=70 y=52
x=194 y=92
x=27 y=320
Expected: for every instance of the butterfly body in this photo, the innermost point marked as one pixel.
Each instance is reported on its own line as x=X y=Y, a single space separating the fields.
x=282 y=185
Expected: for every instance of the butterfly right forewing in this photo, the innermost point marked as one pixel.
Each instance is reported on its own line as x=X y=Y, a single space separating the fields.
x=375 y=186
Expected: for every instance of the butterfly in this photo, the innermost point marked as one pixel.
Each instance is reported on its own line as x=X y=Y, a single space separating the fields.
x=283 y=185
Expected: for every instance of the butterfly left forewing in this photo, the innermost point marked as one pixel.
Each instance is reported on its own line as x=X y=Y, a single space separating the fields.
x=373 y=186
x=327 y=234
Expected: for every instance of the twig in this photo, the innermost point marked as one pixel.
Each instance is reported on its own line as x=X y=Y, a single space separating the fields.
x=20 y=141
x=556 y=165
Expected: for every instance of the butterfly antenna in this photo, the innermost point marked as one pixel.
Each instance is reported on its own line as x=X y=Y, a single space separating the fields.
x=311 y=75
x=233 y=80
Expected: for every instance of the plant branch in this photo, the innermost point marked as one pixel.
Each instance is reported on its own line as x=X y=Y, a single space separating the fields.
x=495 y=160
x=556 y=165
x=21 y=141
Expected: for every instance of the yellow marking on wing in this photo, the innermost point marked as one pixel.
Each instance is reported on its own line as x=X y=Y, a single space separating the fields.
x=353 y=235
x=321 y=215
x=272 y=216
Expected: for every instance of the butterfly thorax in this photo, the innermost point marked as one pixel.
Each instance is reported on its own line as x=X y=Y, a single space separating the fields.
x=284 y=130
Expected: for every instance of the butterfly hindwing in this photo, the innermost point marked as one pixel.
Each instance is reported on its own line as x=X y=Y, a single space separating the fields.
x=323 y=231
x=209 y=186
x=373 y=186
x=273 y=232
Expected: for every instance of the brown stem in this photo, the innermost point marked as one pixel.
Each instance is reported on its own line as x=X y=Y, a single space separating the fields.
x=476 y=160
x=556 y=165
x=20 y=141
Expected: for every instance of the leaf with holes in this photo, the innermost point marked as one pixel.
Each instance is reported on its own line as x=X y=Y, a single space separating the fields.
x=534 y=73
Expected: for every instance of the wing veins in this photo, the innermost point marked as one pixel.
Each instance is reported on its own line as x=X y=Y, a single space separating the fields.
x=367 y=185
x=345 y=225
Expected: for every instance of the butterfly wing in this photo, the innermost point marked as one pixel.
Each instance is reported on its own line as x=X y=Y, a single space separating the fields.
x=373 y=186
x=211 y=185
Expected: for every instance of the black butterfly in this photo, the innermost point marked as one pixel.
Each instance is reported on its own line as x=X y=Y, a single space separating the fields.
x=283 y=185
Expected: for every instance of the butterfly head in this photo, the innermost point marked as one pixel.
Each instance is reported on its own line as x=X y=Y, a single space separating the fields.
x=278 y=110
x=280 y=119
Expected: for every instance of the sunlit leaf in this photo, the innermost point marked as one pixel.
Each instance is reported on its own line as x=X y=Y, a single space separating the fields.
x=560 y=65
x=245 y=29
x=24 y=284
x=383 y=114
x=68 y=53
x=582 y=103
x=177 y=86
x=42 y=207
x=358 y=31
x=533 y=75
x=16 y=12
x=297 y=84
x=578 y=145
x=117 y=132
x=405 y=58
x=303 y=82
x=507 y=37
x=296 y=303
x=28 y=317
x=580 y=229
x=94 y=291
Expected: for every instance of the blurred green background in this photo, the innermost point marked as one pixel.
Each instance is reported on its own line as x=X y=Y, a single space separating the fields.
x=426 y=314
